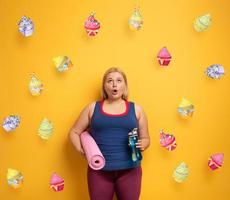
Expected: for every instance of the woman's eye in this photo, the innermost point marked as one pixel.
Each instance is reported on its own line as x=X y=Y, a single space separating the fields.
x=119 y=81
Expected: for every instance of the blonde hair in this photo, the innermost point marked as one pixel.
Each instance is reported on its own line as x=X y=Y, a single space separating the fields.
x=108 y=71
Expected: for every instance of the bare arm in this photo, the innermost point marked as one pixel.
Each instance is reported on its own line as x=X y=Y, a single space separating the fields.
x=79 y=126
x=144 y=140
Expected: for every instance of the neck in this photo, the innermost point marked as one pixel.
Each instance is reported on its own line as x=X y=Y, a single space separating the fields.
x=114 y=101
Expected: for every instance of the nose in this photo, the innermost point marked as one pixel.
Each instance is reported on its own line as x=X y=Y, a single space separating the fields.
x=114 y=84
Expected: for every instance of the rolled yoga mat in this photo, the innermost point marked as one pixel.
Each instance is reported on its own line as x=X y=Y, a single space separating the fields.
x=93 y=154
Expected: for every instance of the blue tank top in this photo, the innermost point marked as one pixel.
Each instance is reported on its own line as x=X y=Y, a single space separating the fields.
x=111 y=135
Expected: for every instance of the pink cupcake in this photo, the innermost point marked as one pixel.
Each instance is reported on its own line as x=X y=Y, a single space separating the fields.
x=92 y=25
x=168 y=141
x=164 y=57
x=215 y=161
x=57 y=183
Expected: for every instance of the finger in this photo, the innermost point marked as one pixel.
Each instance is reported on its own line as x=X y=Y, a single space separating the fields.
x=82 y=151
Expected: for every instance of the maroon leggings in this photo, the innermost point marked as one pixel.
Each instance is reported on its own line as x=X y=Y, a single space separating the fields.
x=125 y=183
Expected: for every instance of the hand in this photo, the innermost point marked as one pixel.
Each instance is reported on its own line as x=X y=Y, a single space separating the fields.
x=81 y=150
x=142 y=144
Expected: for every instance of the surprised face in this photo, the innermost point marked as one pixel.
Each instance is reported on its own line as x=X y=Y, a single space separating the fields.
x=114 y=85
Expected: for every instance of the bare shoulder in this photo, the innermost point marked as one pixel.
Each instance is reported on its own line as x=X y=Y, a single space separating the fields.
x=90 y=107
x=138 y=110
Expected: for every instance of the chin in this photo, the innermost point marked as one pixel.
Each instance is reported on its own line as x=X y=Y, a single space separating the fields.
x=116 y=97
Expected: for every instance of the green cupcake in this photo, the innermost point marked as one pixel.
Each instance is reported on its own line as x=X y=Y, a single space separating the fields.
x=181 y=173
x=46 y=129
x=202 y=23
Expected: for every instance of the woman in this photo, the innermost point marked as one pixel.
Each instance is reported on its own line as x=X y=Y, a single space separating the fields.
x=109 y=121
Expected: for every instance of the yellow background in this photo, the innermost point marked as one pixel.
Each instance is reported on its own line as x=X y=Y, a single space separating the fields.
x=59 y=31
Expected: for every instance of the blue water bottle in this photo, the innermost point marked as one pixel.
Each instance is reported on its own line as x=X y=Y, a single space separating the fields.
x=133 y=139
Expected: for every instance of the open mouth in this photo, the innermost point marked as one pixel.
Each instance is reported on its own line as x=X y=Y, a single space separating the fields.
x=114 y=92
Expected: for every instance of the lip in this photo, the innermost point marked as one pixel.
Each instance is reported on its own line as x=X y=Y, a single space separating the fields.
x=114 y=91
